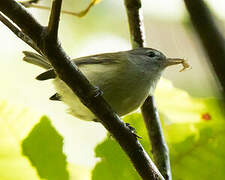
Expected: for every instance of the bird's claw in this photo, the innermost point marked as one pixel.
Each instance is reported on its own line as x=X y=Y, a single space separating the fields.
x=97 y=92
x=133 y=131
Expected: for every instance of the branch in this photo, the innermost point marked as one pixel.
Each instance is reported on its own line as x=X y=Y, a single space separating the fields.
x=19 y=33
x=82 y=13
x=70 y=74
x=149 y=110
x=53 y=24
x=159 y=148
x=212 y=40
x=136 y=26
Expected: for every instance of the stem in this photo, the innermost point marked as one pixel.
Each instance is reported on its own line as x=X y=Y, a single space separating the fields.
x=29 y=4
x=19 y=33
x=136 y=26
x=53 y=24
x=149 y=110
x=159 y=148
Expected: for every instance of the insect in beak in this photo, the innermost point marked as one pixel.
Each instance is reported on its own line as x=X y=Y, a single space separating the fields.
x=174 y=61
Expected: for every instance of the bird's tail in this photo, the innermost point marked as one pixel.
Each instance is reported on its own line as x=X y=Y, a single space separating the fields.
x=36 y=59
x=41 y=61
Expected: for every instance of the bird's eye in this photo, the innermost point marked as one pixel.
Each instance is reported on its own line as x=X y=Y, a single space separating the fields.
x=151 y=54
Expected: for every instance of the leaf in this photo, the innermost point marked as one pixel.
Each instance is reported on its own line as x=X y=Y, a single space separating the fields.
x=114 y=164
x=195 y=132
x=200 y=156
x=194 y=129
x=15 y=123
x=44 y=148
x=176 y=105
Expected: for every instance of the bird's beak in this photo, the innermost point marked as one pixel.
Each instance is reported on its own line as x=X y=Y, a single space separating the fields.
x=174 y=61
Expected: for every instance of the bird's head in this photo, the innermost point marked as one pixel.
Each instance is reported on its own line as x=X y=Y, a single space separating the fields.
x=154 y=59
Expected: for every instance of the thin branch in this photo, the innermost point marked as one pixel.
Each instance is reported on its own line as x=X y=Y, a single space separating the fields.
x=53 y=24
x=136 y=27
x=212 y=39
x=155 y=133
x=149 y=110
x=19 y=33
x=88 y=94
x=22 y=19
x=29 y=4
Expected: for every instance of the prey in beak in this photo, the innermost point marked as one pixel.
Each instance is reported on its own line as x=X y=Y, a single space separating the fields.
x=174 y=61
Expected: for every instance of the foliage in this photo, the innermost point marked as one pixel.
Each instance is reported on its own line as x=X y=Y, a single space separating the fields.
x=194 y=129
x=43 y=147
x=196 y=144
x=15 y=123
x=20 y=132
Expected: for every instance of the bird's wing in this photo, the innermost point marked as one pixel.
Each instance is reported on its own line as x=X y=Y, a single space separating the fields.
x=107 y=58
x=41 y=61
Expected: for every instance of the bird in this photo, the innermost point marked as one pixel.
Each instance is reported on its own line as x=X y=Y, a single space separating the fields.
x=126 y=78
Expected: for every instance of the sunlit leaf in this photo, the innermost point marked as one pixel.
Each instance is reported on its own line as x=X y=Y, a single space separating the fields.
x=15 y=123
x=176 y=105
x=200 y=156
x=194 y=129
x=44 y=148
x=114 y=163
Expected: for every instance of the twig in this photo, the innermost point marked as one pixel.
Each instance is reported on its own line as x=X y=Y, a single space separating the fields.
x=53 y=24
x=136 y=27
x=19 y=33
x=159 y=148
x=82 y=13
x=149 y=110
x=69 y=73
x=212 y=40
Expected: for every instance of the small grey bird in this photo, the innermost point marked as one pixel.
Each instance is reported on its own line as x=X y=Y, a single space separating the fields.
x=126 y=78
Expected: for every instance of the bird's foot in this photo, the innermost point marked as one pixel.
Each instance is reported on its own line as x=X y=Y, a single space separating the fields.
x=97 y=92
x=133 y=130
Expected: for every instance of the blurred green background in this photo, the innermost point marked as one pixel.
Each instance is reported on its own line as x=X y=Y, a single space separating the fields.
x=23 y=100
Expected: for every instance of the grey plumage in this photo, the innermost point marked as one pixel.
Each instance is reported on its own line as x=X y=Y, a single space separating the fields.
x=36 y=59
x=95 y=60
x=126 y=78
x=43 y=62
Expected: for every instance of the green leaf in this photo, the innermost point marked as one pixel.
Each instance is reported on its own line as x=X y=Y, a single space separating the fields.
x=194 y=129
x=114 y=162
x=200 y=156
x=195 y=132
x=15 y=123
x=176 y=105
x=44 y=148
